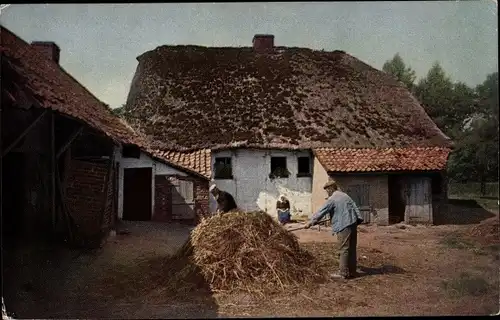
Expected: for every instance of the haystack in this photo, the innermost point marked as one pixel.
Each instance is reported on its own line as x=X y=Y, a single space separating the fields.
x=247 y=251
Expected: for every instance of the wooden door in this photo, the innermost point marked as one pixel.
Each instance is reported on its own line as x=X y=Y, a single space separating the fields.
x=137 y=194
x=182 y=199
x=360 y=194
x=418 y=200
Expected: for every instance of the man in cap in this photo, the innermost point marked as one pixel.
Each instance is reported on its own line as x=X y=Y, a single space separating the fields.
x=345 y=217
x=225 y=201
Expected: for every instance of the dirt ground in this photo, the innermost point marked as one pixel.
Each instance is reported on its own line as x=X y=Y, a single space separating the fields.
x=404 y=270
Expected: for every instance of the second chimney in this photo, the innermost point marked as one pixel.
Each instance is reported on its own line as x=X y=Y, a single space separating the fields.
x=263 y=42
x=48 y=48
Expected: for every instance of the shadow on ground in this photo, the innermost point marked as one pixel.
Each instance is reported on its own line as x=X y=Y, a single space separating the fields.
x=385 y=269
x=462 y=212
x=64 y=284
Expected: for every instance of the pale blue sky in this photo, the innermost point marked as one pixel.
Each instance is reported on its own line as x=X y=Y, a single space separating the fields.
x=100 y=42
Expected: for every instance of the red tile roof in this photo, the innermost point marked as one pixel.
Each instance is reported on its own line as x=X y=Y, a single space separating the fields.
x=199 y=161
x=387 y=159
x=51 y=87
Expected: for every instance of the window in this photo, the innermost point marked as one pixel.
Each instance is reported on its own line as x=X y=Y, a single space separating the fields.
x=130 y=151
x=278 y=168
x=304 y=167
x=223 y=168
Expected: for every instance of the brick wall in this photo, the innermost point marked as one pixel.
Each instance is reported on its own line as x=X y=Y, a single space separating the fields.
x=201 y=197
x=84 y=196
x=108 y=219
x=163 y=197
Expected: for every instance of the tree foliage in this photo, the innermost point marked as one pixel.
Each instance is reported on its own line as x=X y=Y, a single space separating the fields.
x=120 y=111
x=467 y=115
x=400 y=71
x=475 y=157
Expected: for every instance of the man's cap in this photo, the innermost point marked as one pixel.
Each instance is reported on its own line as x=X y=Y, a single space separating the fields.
x=212 y=188
x=330 y=183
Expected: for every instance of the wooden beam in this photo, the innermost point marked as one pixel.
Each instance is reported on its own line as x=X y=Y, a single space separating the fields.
x=106 y=182
x=65 y=213
x=53 y=168
x=23 y=134
x=71 y=138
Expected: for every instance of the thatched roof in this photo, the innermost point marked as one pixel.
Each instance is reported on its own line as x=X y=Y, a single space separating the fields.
x=191 y=97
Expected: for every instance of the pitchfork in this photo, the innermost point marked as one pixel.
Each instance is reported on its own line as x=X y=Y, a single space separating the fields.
x=300 y=228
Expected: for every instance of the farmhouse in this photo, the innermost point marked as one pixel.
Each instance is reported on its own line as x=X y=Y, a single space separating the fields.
x=69 y=167
x=280 y=120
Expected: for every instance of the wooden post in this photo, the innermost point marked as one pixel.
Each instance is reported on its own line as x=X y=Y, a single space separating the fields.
x=53 y=168
x=106 y=182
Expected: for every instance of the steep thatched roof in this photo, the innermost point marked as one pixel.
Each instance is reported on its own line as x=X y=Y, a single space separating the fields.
x=191 y=97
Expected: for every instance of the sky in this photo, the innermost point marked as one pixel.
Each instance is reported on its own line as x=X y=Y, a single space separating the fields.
x=100 y=42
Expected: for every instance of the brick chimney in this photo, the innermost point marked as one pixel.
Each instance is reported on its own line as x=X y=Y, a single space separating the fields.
x=48 y=48
x=263 y=42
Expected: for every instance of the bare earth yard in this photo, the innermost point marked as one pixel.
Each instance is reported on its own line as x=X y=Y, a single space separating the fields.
x=405 y=270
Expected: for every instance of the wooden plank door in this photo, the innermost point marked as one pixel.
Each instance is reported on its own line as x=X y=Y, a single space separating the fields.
x=182 y=199
x=137 y=194
x=418 y=200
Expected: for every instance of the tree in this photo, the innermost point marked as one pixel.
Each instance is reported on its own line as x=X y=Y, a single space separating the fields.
x=120 y=111
x=488 y=96
x=476 y=155
x=436 y=94
x=398 y=69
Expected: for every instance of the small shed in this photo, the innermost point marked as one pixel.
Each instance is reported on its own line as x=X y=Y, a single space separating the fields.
x=390 y=185
x=151 y=188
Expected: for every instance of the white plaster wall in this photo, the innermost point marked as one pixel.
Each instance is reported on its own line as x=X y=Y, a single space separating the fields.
x=254 y=190
x=145 y=161
x=319 y=195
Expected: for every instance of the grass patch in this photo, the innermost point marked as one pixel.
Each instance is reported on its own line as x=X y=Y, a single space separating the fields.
x=466 y=284
x=454 y=241
x=488 y=204
x=472 y=190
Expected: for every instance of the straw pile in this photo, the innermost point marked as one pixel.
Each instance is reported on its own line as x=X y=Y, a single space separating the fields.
x=246 y=251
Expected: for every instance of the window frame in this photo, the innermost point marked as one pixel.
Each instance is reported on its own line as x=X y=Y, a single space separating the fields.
x=217 y=173
x=279 y=172
x=309 y=166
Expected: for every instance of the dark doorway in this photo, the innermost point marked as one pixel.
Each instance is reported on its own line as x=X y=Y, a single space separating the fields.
x=13 y=197
x=137 y=193
x=397 y=203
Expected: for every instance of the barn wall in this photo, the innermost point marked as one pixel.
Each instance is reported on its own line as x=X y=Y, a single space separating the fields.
x=84 y=194
x=378 y=193
x=31 y=159
x=254 y=190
